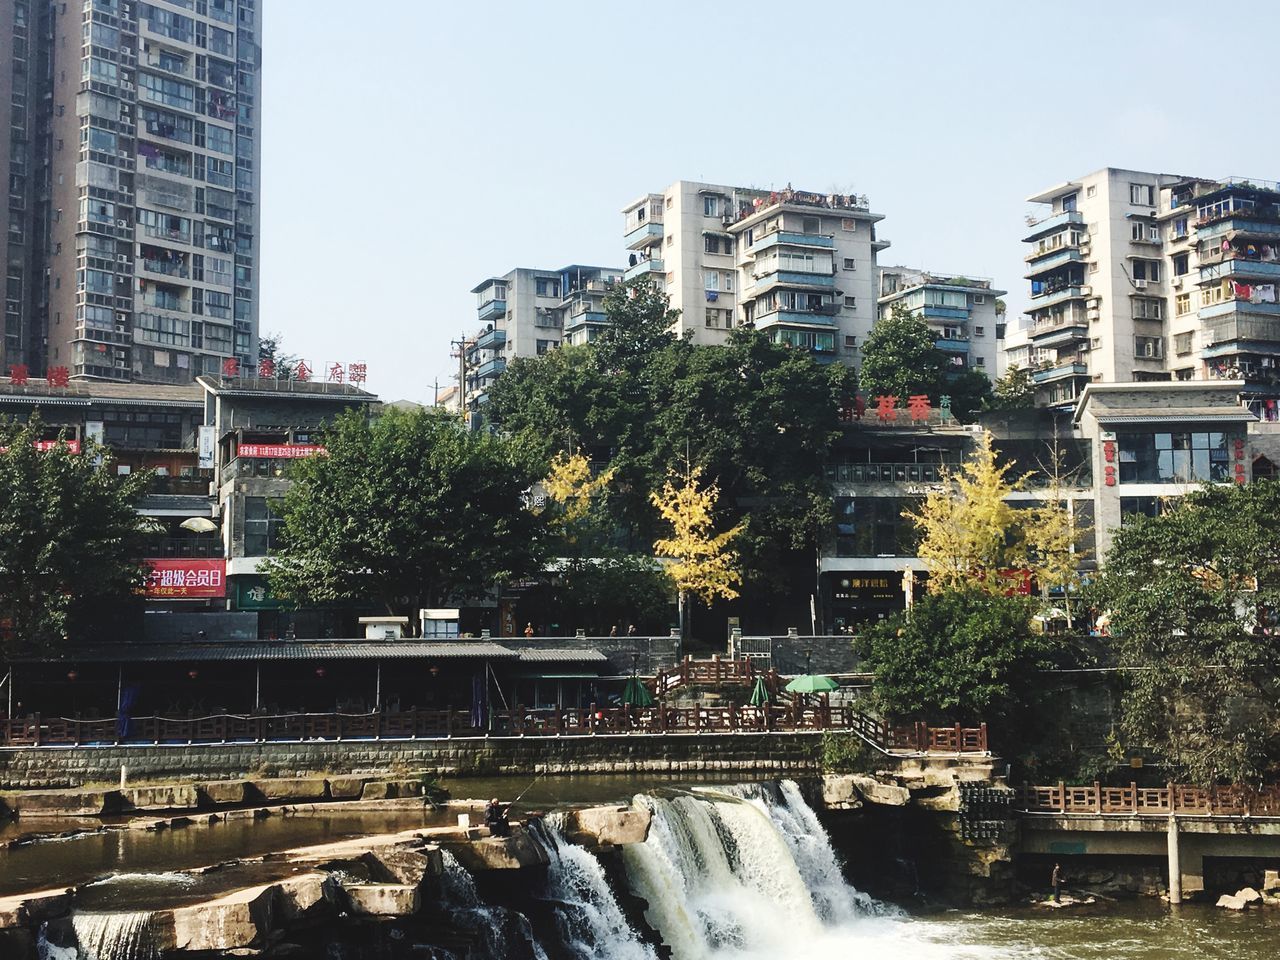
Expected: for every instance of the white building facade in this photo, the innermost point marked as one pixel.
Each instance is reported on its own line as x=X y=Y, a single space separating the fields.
x=965 y=313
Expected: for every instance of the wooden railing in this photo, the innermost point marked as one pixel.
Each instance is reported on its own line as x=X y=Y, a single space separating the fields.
x=713 y=672
x=800 y=715
x=1235 y=800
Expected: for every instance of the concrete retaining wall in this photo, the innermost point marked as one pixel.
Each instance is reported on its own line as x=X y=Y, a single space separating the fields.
x=54 y=767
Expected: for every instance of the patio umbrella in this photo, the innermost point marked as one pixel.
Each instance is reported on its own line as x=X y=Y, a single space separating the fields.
x=759 y=693
x=636 y=694
x=808 y=683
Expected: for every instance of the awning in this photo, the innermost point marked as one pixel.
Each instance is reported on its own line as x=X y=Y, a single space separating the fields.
x=1219 y=414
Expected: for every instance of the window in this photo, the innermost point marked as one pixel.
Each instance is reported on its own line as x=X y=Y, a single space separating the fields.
x=1182 y=343
x=710 y=206
x=220 y=139
x=726 y=281
x=848 y=224
x=1147 y=308
x=671 y=239
x=1181 y=264
x=979 y=331
x=712 y=243
x=166 y=90
x=874 y=527
x=547 y=288
x=1148 y=348
x=850 y=301
x=1142 y=195
x=1091 y=191
x=850 y=263
x=543 y=346
x=1179 y=228
x=1174 y=457
x=850 y=341
x=1069 y=203
x=1141 y=232
x=262 y=527
x=1148 y=270
x=1182 y=305
x=711 y=279
x=810 y=225
x=979 y=361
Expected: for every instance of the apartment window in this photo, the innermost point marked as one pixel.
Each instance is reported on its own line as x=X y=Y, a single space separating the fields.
x=262 y=527
x=670 y=202
x=1182 y=343
x=710 y=206
x=1069 y=203
x=1181 y=264
x=711 y=279
x=543 y=346
x=848 y=224
x=850 y=301
x=850 y=341
x=1174 y=457
x=850 y=263
x=547 y=288
x=1091 y=191
x=1148 y=348
x=1148 y=308
x=1142 y=195
x=1179 y=228
x=1144 y=232
x=671 y=239
x=1182 y=305
x=979 y=361
x=810 y=225
x=713 y=317
x=1185 y=373
x=1148 y=270
x=726 y=281
x=979 y=331
x=712 y=243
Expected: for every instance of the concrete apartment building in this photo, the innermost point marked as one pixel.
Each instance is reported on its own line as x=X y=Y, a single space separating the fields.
x=132 y=221
x=965 y=312
x=525 y=313
x=1140 y=276
x=800 y=266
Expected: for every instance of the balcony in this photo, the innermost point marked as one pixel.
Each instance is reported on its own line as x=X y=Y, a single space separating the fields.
x=809 y=281
x=1233 y=308
x=492 y=340
x=794 y=318
x=167 y=548
x=491 y=368
x=790 y=238
x=1041 y=301
x=1237 y=333
x=1044 y=251
x=166 y=268
x=586 y=318
x=1238 y=224
x=645 y=235
x=1059 y=333
x=644 y=268
x=1060 y=372
x=1242 y=269
x=1052 y=261
x=929 y=311
x=491 y=310
x=952 y=344
x=1049 y=224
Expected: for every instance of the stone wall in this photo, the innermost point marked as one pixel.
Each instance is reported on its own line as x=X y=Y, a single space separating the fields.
x=54 y=767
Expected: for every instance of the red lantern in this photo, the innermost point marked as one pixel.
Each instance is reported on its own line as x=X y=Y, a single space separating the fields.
x=193 y=674
x=435 y=671
x=320 y=672
x=73 y=676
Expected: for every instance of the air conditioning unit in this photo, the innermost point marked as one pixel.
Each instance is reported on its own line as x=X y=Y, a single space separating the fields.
x=1177 y=283
x=122 y=223
x=1140 y=284
x=122 y=257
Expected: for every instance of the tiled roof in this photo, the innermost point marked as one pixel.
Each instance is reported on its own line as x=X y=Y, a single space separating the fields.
x=260 y=650
x=538 y=655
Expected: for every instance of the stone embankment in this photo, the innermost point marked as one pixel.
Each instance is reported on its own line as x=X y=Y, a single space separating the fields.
x=371 y=877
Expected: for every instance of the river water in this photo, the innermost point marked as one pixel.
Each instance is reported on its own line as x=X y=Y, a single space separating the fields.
x=729 y=872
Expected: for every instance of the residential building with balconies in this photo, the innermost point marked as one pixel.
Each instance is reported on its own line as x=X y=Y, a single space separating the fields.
x=965 y=313
x=1139 y=277
x=139 y=251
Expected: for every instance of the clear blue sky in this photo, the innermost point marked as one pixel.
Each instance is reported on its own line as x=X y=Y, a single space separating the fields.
x=412 y=148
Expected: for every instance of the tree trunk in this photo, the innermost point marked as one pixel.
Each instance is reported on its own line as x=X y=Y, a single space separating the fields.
x=683 y=608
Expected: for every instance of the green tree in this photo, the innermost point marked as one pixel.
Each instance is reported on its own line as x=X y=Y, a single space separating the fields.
x=71 y=541
x=271 y=347
x=970 y=392
x=957 y=656
x=409 y=510
x=1014 y=390
x=900 y=358
x=1193 y=602
x=640 y=321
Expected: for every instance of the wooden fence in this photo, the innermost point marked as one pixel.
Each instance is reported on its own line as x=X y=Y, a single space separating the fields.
x=801 y=715
x=1235 y=800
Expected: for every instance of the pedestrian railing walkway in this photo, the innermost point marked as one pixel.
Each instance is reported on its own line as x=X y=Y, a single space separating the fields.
x=799 y=716
x=1226 y=801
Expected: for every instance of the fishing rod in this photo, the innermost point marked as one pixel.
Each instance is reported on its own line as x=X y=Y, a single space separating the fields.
x=526 y=789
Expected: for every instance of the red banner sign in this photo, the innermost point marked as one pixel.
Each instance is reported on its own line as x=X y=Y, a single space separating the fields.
x=72 y=445
x=186 y=579
x=280 y=451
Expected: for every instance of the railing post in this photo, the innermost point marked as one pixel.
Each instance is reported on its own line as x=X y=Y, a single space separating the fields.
x=1097 y=797
x=959 y=739
x=1133 y=796
x=1173 y=798
x=982 y=734
x=37 y=736
x=1062 y=797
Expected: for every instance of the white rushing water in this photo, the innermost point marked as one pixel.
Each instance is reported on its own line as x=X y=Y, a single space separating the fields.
x=748 y=873
x=114 y=936
x=504 y=933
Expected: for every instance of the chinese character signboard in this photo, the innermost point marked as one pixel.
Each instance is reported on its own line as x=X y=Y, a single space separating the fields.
x=280 y=451
x=186 y=579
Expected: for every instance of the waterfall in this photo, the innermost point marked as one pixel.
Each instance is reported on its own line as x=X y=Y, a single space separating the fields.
x=115 y=936
x=591 y=924
x=504 y=933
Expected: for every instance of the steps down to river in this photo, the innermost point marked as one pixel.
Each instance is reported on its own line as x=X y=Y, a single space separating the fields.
x=366 y=877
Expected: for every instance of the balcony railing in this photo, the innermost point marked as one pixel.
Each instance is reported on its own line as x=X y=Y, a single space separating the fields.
x=643 y=268
x=167 y=548
x=1059 y=372
x=792 y=238
x=491 y=310
x=885 y=472
x=491 y=368
x=644 y=235
x=491 y=340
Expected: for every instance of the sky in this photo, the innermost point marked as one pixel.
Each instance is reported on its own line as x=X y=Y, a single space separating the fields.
x=412 y=148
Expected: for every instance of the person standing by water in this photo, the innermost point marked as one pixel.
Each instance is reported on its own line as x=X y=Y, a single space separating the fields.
x=495 y=818
x=1056 y=881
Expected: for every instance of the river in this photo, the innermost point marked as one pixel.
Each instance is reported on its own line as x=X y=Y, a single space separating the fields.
x=729 y=872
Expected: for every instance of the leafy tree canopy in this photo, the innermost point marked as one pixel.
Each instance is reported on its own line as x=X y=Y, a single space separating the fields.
x=409 y=509
x=1015 y=390
x=71 y=540
x=1193 y=603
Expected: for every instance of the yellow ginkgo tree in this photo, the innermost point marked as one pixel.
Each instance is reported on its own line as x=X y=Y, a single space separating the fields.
x=570 y=484
x=703 y=562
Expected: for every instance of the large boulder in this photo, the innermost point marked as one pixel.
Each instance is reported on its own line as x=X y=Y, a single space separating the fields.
x=1271 y=881
x=301 y=895
x=1249 y=895
x=222 y=793
x=1228 y=902
x=883 y=794
x=35 y=907
x=237 y=920
x=63 y=803
x=839 y=792
x=291 y=788
x=166 y=796
x=607 y=826
x=515 y=852
x=384 y=899
x=405 y=865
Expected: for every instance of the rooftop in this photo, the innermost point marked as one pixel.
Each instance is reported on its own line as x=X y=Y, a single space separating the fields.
x=85 y=392
x=294 y=389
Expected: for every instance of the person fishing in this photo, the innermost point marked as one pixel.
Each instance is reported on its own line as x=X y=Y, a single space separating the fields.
x=495 y=818
x=1056 y=881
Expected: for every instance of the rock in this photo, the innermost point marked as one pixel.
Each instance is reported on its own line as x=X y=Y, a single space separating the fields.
x=300 y=895
x=883 y=794
x=1249 y=895
x=19 y=944
x=235 y=920
x=607 y=826
x=63 y=803
x=346 y=788
x=34 y=907
x=1231 y=903
x=220 y=793
x=291 y=788
x=1270 y=881
x=499 y=853
x=405 y=865
x=384 y=899
x=392 y=789
x=169 y=796
x=839 y=793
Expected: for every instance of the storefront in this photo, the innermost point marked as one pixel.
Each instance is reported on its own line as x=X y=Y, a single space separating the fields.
x=854 y=597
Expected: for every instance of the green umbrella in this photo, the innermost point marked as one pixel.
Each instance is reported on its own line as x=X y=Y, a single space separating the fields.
x=808 y=683
x=759 y=693
x=636 y=694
